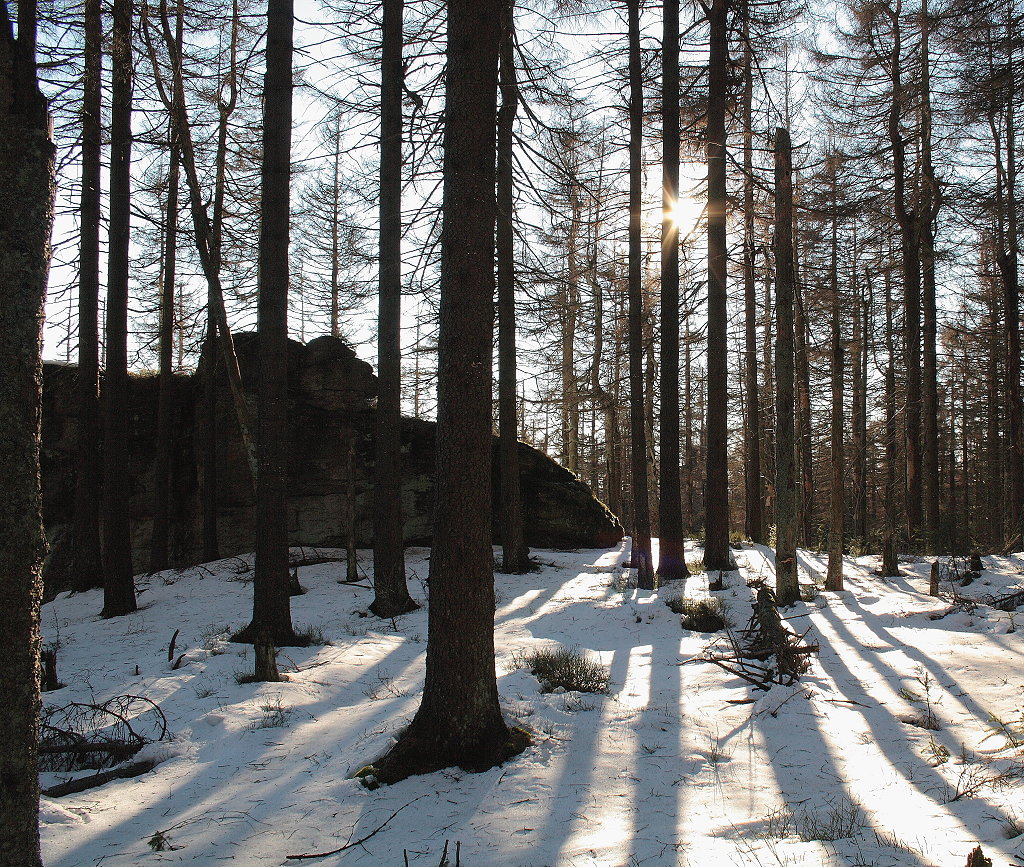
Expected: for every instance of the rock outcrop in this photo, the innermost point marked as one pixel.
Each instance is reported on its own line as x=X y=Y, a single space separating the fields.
x=331 y=406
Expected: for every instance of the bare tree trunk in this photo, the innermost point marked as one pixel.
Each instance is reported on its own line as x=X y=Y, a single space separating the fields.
x=336 y=218
x=671 y=551
x=391 y=594
x=716 y=500
x=459 y=720
x=271 y=610
x=908 y=221
x=86 y=557
x=805 y=457
x=752 y=419
x=118 y=585
x=993 y=415
x=858 y=421
x=207 y=237
x=211 y=549
x=890 y=563
x=26 y=216
x=569 y=309
x=641 y=546
x=515 y=556
x=351 y=555
x=787 y=589
x=158 y=550
x=834 y=577
x=930 y=202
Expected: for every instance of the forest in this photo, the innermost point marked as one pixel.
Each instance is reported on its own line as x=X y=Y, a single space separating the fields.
x=612 y=411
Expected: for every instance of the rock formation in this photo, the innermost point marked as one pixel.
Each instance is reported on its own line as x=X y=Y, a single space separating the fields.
x=331 y=404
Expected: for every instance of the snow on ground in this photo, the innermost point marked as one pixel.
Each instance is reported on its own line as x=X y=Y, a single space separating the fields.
x=678 y=764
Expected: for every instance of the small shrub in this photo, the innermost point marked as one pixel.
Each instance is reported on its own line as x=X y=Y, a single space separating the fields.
x=699 y=615
x=312 y=636
x=839 y=820
x=566 y=668
x=937 y=753
x=696 y=565
x=275 y=715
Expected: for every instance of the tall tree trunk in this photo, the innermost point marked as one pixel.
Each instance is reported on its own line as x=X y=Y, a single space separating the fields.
x=805 y=453
x=271 y=610
x=993 y=417
x=930 y=201
x=716 y=501
x=26 y=216
x=211 y=548
x=118 y=586
x=459 y=721
x=834 y=576
x=787 y=589
x=207 y=236
x=570 y=299
x=1010 y=255
x=858 y=420
x=391 y=595
x=336 y=216
x=890 y=563
x=86 y=557
x=641 y=544
x=752 y=419
x=768 y=404
x=908 y=221
x=671 y=551
x=158 y=551
x=515 y=556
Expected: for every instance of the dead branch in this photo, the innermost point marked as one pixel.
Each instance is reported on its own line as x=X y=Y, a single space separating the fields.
x=83 y=784
x=354 y=843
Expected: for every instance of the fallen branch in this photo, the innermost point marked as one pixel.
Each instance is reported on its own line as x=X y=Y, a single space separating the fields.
x=354 y=843
x=83 y=784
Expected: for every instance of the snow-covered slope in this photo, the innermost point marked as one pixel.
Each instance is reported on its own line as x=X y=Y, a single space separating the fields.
x=678 y=764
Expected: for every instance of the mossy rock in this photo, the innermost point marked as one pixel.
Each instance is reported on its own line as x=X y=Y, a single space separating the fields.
x=369 y=776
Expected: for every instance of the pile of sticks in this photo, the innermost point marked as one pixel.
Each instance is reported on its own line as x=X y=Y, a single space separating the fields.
x=765 y=652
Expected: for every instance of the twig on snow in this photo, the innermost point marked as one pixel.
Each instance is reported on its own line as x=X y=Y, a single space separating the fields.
x=354 y=843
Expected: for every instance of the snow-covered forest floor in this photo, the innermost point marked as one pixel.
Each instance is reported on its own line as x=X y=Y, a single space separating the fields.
x=676 y=764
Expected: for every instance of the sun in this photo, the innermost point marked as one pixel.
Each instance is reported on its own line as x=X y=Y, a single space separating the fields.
x=685 y=212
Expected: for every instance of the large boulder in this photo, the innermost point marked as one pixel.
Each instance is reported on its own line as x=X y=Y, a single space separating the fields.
x=331 y=405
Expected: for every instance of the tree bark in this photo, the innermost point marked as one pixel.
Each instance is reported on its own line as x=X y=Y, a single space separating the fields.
x=641 y=535
x=805 y=452
x=26 y=216
x=890 y=563
x=86 y=552
x=752 y=420
x=858 y=420
x=908 y=220
x=834 y=576
x=271 y=610
x=459 y=721
x=671 y=550
x=515 y=556
x=118 y=586
x=930 y=202
x=391 y=595
x=787 y=589
x=716 y=500
x=158 y=551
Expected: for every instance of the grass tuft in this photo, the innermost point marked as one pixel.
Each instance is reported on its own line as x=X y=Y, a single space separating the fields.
x=566 y=668
x=700 y=615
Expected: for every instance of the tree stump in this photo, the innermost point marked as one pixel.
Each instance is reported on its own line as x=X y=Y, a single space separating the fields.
x=933 y=584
